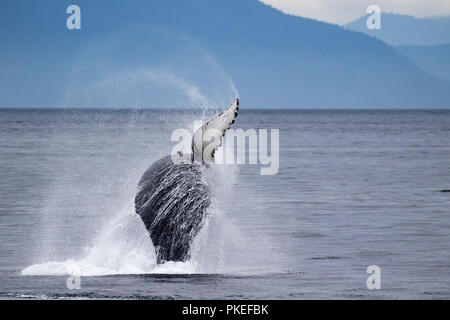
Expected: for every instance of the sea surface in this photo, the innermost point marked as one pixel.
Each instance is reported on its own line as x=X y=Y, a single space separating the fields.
x=355 y=188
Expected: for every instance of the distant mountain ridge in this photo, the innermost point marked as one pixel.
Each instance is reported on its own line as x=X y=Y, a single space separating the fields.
x=397 y=29
x=274 y=59
x=433 y=59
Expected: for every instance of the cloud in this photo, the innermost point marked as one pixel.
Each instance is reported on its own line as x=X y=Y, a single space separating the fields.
x=344 y=11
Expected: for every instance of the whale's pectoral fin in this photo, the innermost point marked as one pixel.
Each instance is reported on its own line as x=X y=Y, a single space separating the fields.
x=208 y=138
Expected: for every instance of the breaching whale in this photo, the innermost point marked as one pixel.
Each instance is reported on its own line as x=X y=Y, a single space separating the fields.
x=172 y=197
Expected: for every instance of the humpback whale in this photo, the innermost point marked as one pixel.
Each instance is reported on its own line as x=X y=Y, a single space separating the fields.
x=172 y=197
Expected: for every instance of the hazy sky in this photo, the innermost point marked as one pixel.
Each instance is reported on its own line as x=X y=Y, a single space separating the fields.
x=343 y=11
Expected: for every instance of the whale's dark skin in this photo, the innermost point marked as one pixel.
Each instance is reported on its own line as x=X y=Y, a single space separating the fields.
x=172 y=201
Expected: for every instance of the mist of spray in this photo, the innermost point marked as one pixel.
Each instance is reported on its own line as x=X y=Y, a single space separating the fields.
x=148 y=67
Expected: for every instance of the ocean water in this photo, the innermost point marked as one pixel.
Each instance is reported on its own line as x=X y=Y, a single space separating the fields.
x=354 y=189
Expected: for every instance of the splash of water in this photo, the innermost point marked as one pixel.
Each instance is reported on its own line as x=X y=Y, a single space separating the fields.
x=123 y=246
